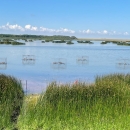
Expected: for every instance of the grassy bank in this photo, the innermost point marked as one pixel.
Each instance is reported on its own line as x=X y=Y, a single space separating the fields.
x=104 y=105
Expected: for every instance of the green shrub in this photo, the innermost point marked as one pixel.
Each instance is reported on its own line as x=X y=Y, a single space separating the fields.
x=11 y=99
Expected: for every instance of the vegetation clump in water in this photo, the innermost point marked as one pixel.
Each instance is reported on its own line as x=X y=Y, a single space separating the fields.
x=30 y=40
x=89 y=42
x=43 y=41
x=104 y=42
x=47 y=40
x=11 y=42
x=69 y=42
x=59 y=41
x=123 y=43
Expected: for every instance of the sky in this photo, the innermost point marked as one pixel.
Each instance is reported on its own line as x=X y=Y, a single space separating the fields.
x=80 y=18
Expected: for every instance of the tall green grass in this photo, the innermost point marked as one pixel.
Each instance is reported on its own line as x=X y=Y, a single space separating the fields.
x=104 y=105
x=11 y=100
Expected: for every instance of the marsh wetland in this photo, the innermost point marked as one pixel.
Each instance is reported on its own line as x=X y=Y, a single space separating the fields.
x=34 y=61
x=58 y=86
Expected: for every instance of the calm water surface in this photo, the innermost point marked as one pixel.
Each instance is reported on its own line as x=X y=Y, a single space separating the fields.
x=101 y=60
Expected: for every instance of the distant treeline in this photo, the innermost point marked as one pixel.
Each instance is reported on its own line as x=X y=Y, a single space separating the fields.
x=37 y=37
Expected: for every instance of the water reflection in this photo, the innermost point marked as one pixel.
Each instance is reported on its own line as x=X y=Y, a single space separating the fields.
x=41 y=64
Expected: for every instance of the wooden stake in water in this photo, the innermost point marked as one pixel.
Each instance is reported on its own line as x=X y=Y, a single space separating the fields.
x=26 y=87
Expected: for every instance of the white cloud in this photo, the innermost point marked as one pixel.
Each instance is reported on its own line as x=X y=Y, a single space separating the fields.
x=65 y=30
x=34 y=28
x=98 y=32
x=126 y=33
x=61 y=30
x=29 y=28
x=88 y=31
x=105 y=32
x=114 y=32
x=12 y=27
x=43 y=29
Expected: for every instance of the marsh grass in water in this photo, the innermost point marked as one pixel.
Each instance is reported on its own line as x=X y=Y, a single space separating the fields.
x=104 y=105
x=123 y=43
x=10 y=42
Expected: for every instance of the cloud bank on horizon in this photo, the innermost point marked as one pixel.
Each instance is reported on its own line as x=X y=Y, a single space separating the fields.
x=30 y=29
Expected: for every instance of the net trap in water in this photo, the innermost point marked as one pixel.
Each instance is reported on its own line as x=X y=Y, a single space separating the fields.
x=123 y=63
x=59 y=63
x=28 y=59
x=83 y=60
x=3 y=63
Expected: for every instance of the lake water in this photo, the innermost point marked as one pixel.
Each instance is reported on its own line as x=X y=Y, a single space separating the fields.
x=62 y=63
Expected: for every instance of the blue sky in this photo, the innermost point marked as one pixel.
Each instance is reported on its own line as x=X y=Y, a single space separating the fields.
x=81 y=18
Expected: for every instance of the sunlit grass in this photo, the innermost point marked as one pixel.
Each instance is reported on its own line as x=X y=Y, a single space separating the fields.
x=104 y=105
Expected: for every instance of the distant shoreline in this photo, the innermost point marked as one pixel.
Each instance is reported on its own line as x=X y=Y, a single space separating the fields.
x=102 y=39
x=57 y=37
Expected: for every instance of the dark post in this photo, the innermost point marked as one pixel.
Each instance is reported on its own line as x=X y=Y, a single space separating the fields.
x=26 y=87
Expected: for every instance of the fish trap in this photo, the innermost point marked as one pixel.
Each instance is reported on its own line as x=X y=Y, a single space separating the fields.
x=59 y=63
x=123 y=63
x=3 y=63
x=28 y=59
x=82 y=60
